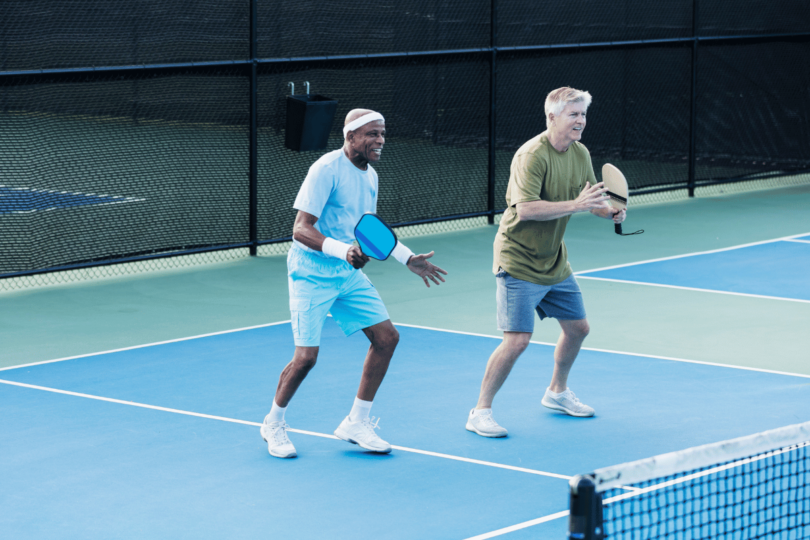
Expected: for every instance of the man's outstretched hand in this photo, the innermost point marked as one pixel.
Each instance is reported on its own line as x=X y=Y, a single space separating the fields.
x=419 y=265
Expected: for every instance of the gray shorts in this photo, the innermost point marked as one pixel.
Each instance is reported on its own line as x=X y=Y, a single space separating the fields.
x=519 y=299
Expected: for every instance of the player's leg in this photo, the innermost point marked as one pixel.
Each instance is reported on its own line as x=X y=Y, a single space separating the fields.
x=294 y=374
x=359 y=307
x=564 y=302
x=311 y=295
x=516 y=301
x=565 y=353
x=500 y=365
x=383 y=338
x=274 y=427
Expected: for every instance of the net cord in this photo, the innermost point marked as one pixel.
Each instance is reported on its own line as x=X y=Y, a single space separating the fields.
x=619 y=476
x=635 y=492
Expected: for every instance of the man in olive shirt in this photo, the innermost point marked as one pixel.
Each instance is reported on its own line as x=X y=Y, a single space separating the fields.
x=551 y=178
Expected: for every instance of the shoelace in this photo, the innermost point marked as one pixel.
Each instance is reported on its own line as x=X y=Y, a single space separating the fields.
x=575 y=400
x=371 y=424
x=280 y=433
x=487 y=419
x=573 y=397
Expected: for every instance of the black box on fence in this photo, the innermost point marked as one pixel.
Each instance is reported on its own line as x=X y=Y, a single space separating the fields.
x=309 y=121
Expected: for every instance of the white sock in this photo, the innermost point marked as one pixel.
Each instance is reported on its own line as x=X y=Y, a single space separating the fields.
x=276 y=414
x=481 y=411
x=360 y=410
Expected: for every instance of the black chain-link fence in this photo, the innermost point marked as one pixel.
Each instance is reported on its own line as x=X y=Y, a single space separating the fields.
x=126 y=130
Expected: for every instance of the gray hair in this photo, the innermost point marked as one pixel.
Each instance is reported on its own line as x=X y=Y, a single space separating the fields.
x=559 y=98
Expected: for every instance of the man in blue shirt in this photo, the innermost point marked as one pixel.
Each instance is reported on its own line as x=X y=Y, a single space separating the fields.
x=325 y=275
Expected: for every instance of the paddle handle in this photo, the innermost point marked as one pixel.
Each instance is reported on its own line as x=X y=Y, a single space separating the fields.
x=618 y=228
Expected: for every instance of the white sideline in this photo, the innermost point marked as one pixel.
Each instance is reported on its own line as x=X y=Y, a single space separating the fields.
x=693 y=254
x=610 y=351
x=258 y=424
x=518 y=526
x=143 y=346
x=782 y=298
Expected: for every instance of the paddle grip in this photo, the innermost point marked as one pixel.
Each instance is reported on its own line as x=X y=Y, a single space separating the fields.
x=618 y=228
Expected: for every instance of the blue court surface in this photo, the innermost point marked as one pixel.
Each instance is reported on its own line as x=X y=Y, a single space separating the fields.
x=774 y=269
x=24 y=200
x=76 y=466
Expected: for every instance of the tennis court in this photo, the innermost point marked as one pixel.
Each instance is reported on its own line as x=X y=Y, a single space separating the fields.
x=148 y=166
x=132 y=405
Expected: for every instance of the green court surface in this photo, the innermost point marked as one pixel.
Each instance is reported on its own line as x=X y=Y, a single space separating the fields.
x=75 y=319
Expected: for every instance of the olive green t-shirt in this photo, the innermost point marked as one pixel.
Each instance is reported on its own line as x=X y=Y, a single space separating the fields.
x=534 y=251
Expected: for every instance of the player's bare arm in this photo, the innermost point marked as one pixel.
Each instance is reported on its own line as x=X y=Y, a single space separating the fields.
x=304 y=231
x=419 y=265
x=592 y=197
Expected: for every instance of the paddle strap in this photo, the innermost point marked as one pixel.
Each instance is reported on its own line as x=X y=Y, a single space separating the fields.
x=618 y=228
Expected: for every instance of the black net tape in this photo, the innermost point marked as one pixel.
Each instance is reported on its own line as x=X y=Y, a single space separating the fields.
x=767 y=496
x=43 y=34
x=435 y=159
x=315 y=28
x=524 y=23
x=751 y=118
x=752 y=17
x=639 y=118
x=114 y=166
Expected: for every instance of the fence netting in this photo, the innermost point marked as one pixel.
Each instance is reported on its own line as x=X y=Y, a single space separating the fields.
x=125 y=127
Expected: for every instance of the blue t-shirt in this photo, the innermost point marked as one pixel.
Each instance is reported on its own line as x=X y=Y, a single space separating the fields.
x=338 y=194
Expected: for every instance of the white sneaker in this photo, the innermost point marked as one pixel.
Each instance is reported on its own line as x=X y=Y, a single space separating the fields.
x=482 y=423
x=566 y=402
x=362 y=433
x=278 y=444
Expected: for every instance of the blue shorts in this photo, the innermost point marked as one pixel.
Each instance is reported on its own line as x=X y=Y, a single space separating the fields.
x=319 y=285
x=518 y=300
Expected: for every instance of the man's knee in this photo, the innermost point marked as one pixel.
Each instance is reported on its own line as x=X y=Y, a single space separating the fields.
x=516 y=342
x=305 y=358
x=387 y=339
x=577 y=329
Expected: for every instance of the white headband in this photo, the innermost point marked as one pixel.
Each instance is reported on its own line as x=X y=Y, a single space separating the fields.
x=362 y=121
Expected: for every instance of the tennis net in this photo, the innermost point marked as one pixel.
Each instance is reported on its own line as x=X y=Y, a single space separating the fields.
x=751 y=487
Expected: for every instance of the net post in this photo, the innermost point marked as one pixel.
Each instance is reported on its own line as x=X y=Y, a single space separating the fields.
x=585 y=510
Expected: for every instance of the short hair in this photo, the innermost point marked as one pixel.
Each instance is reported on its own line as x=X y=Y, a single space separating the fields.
x=559 y=98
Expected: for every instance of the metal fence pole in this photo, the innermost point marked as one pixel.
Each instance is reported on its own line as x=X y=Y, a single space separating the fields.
x=693 y=103
x=254 y=135
x=492 y=88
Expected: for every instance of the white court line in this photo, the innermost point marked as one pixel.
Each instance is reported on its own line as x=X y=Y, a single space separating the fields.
x=797 y=241
x=715 y=291
x=485 y=536
x=258 y=424
x=144 y=346
x=640 y=355
x=694 y=254
x=610 y=351
x=525 y=524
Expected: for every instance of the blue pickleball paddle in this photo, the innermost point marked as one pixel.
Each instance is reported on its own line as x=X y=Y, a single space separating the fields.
x=376 y=239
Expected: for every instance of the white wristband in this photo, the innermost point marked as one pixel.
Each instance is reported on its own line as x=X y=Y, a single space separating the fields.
x=335 y=249
x=402 y=253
